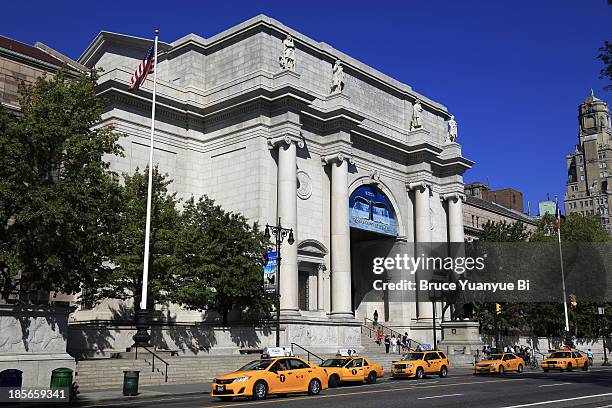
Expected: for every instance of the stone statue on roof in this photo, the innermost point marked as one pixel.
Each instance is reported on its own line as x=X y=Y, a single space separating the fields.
x=452 y=129
x=287 y=60
x=417 y=120
x=337 y=84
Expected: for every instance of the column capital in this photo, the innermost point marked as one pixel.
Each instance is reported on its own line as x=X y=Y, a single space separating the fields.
x=285 y=139
x=452 y=196
x=418 y=185
x=337 y=158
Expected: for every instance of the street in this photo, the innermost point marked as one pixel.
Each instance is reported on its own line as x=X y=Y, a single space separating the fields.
x=461 y=388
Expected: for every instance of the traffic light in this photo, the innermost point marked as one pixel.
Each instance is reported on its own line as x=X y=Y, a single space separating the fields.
x=497 y=308
x=572 y=300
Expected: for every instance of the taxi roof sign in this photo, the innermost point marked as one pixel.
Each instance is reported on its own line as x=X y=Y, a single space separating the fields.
x=277 y=352
x=347 y=352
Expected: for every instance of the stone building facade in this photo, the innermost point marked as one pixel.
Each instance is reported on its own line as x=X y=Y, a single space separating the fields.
x=483 y=205
x=589 y=167
x=271 y=123
x=23 y=63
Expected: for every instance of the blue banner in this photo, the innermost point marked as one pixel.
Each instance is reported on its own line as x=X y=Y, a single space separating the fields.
x=271 y=272
x=371 y=210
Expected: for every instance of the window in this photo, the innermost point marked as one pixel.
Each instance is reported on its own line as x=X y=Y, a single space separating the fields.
x=441 y=354
x=295 y=364
x=431 y=356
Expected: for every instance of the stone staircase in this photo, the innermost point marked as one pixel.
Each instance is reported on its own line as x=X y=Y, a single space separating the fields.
x=108 y=373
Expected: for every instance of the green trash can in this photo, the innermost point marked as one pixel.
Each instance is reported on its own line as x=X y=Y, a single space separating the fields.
x=61 y=378
x=130 y=382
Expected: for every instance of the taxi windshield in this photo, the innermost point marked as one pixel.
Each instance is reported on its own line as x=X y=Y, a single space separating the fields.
x=560 y=354
x=256 y=365
x=414 y=356
x=333 y=362
x=494 y=357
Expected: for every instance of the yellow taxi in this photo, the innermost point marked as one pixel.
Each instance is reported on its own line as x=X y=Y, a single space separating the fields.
x=565 y=360
x=266 y=376
x=420 y=363
x=500 y=363
x=351 y=369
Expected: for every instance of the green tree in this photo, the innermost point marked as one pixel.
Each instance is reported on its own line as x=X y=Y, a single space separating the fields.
x=58 y=199
x=125 y=278
x=220 y=261
x=605 y=55
x=503 y=231
x=574 y=228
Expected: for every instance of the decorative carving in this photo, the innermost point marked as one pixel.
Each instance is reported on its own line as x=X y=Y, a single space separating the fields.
x=287 y=139
x=337 y=157
x=337 y=84
x=287 y=60
x=374 y=176
x=452 y=129
x=304 y=190
x=417 y=120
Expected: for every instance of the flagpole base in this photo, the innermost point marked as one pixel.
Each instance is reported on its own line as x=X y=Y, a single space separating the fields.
x=142 y=338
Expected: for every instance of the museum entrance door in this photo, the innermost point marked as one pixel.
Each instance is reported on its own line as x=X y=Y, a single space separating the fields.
x=373 y=230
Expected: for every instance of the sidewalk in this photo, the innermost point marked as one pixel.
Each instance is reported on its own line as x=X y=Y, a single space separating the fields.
x=89 y=397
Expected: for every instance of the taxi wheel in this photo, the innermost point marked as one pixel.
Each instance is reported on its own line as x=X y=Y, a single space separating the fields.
x=569 y=367
x=502 y=370
x=333 y=381
x=519 y=369
x=420 y=373
x=371 y=378
x=443 y=372
x=314 y=387
x=260 y=390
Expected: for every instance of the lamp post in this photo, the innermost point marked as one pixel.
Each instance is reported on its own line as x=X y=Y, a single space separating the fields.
x=434 y=296
x=280 y=234
x=601 y=311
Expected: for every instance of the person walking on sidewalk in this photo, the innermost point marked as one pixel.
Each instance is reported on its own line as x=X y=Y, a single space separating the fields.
x=387 y=343
x=375 y=318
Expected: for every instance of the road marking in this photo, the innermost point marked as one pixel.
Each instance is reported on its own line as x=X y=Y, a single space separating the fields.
x=561 y=400
x=392 y=389
x=439 y=396
x=554 y=385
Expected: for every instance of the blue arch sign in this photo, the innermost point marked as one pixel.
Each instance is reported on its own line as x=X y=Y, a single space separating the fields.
x=371 y=210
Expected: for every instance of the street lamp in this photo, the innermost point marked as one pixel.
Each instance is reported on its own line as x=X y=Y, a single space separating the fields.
x=601 y=311
x=280 y=234
x=434 y=296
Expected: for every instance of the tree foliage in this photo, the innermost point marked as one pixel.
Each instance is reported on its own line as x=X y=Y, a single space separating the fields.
x=221 y=261
x=503 y=231
x=58 y=199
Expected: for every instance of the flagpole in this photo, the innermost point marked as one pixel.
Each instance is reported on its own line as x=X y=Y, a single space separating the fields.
x=562 y=273
x=145 y=269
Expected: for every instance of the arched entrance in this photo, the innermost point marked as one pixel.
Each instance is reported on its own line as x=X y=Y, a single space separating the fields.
x=374 y=229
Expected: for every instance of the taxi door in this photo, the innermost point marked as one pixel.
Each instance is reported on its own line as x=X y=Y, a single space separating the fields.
x=579 y=359
x=507 y=362
x=299 y=375
x=282 y=376
x=432 y=362
x=366 y=368
x=353 y=371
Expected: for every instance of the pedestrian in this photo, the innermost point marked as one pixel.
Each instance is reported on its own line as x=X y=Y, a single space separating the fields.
x=379 y=336
x=387 y=343
x=375 y=317
x=393 y=342
x=589 y=354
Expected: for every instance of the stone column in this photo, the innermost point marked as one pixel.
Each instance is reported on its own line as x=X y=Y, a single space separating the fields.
x=422 y=237
x=320 y=287
x=340 y=237
x=287 y=211
x=455 y=218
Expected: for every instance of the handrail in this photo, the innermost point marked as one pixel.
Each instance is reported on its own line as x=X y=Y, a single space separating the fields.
x=391 y=331
x=153 y=361
x=308 y=352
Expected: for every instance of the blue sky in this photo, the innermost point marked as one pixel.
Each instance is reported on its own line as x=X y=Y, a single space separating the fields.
x=512 y=72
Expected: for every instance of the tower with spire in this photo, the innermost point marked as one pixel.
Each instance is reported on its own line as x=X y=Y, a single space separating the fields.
x=589 y=167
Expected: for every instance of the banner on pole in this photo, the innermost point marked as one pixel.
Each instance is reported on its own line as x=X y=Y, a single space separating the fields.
x=271 y=273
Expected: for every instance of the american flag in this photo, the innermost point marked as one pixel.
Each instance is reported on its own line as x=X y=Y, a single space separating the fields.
x=146 y=67
x=558 y=219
